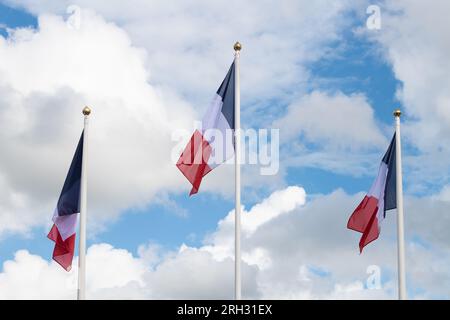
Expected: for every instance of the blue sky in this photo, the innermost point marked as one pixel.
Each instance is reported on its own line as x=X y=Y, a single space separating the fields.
x=348 y=63
x=12 y=18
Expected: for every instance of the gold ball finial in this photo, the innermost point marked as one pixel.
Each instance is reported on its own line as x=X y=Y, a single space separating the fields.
x=397 y=113
x=237 y=46
x=86 y=111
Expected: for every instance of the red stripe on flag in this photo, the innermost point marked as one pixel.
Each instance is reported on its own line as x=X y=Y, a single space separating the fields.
x=364 y=219
x=63 y=251
x=193 y=162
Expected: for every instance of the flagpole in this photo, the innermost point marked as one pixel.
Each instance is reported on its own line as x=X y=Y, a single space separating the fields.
x=237 y=133
x=81 y=294
x=400 y=220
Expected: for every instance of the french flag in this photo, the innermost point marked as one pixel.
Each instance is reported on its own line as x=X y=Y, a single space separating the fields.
x=213 y=144
x=66 y=213
x=382 y=196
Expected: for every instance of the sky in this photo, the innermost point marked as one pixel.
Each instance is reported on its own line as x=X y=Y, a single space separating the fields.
x=148 y=69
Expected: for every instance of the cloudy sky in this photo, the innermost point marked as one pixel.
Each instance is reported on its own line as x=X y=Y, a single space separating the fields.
x=149 y=68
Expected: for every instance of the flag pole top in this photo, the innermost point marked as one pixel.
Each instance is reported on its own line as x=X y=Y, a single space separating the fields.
x=86 y=111
x=397 y=113
x=237 y=46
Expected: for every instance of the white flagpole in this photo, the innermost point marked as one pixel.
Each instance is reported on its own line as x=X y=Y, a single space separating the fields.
x=400 y=222
x=237 y=141
x=83 y=199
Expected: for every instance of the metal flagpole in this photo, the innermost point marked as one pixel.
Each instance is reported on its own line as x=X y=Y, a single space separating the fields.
x=400 y=223
x=83 y=198
x=237 y=141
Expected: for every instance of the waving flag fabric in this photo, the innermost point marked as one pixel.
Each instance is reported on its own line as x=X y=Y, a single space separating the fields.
x=382 y=196
x=213 y=144
x=66 y=213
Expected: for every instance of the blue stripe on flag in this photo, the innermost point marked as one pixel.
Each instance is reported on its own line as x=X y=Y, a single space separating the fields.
x=69 y=200
x=226 y=91
x=390 y=190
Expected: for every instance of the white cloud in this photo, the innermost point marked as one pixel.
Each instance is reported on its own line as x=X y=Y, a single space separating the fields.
x=113 y=267
x=46 y=77
x=29 y=276
x=321 y=119
x=278 y=40
x=221 y=242
x=444 y=194
x=300 y=252
x=415 y=40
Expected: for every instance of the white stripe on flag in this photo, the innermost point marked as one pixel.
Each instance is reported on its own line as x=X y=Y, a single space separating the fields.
x=67 y=225
x=377 y=190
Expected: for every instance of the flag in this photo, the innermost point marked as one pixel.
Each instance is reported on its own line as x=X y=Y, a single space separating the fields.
x=213 y=144
x=66 y=213
x=382 y=196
